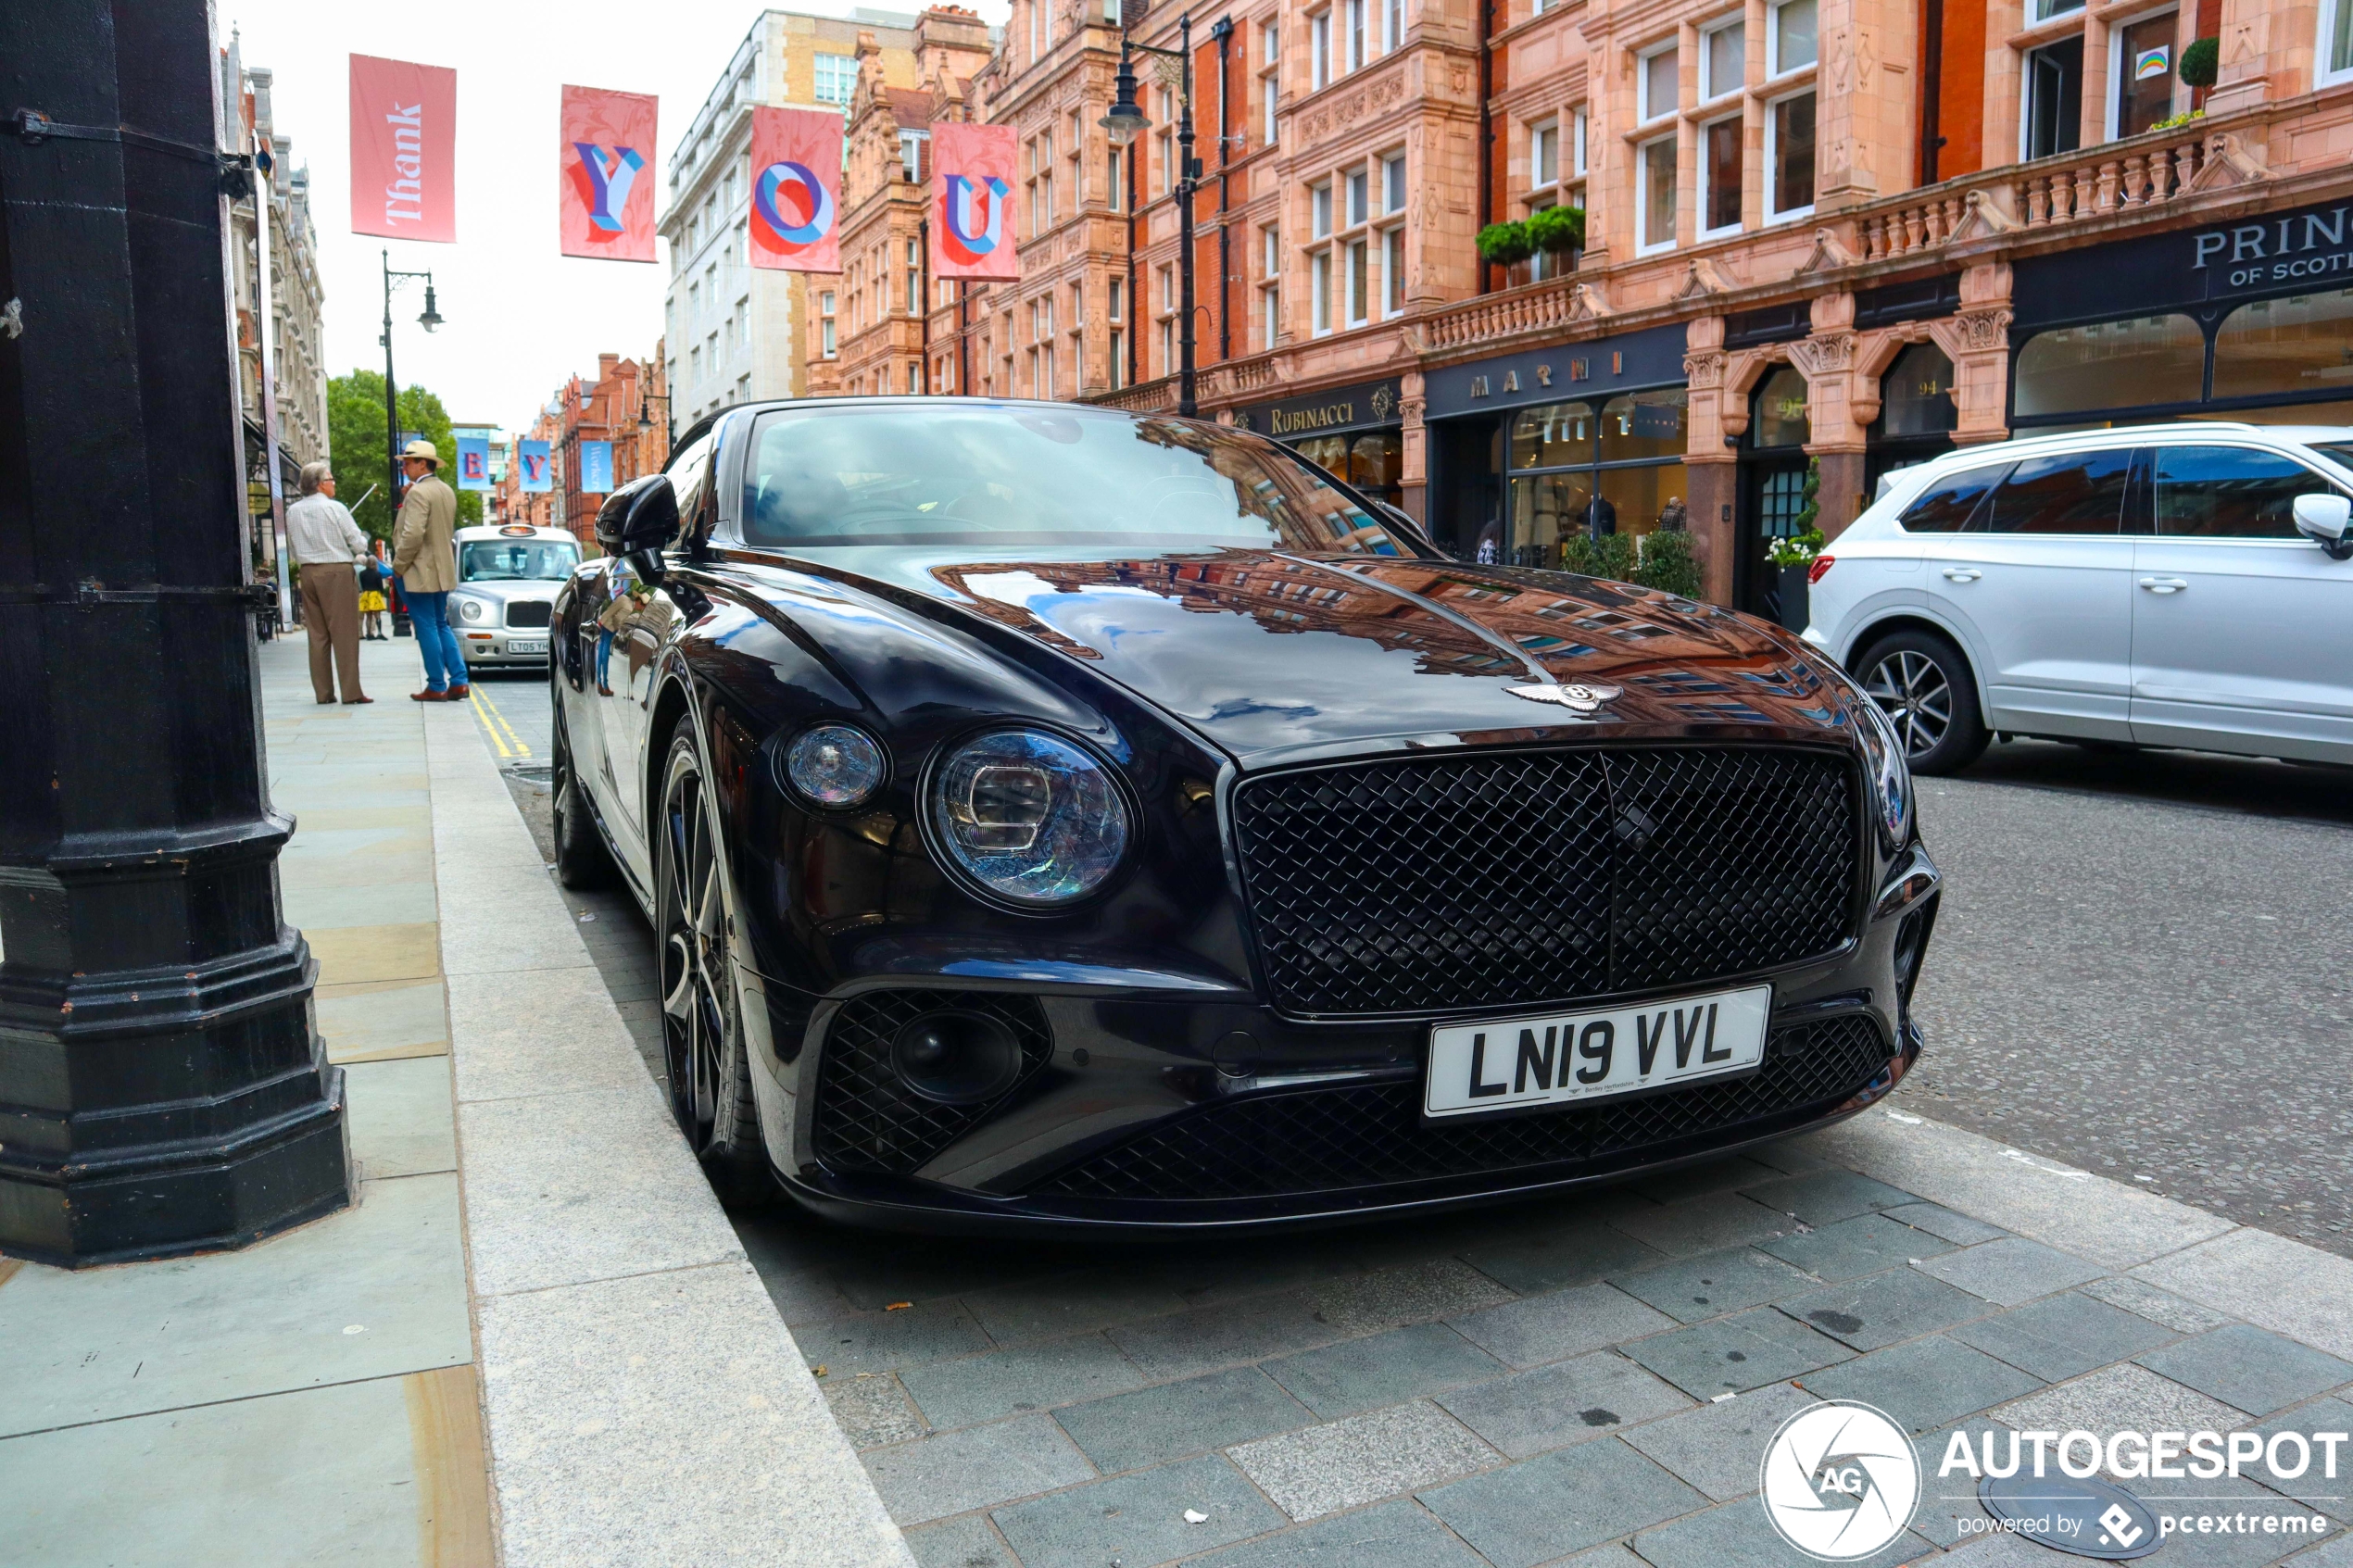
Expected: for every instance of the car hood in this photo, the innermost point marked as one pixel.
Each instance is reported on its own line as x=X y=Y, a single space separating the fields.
x=1274 y=656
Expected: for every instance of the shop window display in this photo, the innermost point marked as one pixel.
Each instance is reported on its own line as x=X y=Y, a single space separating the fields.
x=1574 y=471
x=1373 y=462
x=2146 y=360
x=2302 y=343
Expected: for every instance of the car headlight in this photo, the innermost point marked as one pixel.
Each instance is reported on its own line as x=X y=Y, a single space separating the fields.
x=834 y=765
x=470 y=609
x=1029 y=817
x=1891 y=771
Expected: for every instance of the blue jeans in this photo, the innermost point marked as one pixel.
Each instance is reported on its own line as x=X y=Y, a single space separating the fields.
x=445 y=661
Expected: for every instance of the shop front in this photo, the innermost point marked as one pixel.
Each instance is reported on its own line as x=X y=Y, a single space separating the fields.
x=1354 y=434
x=1534 y=447
x=2251 y=319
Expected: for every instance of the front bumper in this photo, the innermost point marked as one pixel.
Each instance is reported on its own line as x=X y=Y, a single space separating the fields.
x=1156 y=1113
x=496 y=646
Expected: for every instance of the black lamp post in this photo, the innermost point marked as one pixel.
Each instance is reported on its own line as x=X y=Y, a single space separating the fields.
x=429 y=321
x=1123 y=123
x=161 y=1088
x=645 y=420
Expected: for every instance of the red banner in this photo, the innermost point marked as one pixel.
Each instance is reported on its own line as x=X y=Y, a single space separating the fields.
x=607 y=202
x=404 y=140
x=796 y=190
x=972 y=221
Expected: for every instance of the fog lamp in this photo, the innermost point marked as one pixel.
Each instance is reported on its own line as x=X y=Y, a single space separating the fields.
x=956 y=1057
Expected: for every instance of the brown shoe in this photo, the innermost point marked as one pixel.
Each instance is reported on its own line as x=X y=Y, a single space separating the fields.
x=428 y=697
x=326 y=702
x=460 y=691
x=355 y=701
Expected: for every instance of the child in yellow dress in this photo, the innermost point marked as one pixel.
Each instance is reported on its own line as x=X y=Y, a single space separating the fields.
x=371 y=602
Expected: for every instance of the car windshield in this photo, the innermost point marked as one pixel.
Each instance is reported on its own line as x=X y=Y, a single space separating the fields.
x=516 y=560
x=978 y=474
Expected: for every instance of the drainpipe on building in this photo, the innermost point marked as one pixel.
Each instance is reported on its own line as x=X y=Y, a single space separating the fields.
x=265 y=329
x=1486 y=131
x=1132 y=312
x=922 y=247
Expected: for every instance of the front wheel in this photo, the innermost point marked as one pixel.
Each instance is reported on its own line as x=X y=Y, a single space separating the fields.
x=702 y=1033
x=1923 y=684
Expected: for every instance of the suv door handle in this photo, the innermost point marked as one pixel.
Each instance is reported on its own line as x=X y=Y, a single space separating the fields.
x=1962 y=574
x=2164 y=585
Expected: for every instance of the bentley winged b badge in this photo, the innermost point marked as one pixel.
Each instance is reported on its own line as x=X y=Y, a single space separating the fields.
x=1576 y=699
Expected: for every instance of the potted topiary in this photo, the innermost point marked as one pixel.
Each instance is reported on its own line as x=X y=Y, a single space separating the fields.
x=2201 y=63
x=1557 y=230
x=1506 y=245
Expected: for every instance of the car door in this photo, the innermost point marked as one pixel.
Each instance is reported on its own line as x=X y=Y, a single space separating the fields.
x=2242 y=628
x=2038 y=581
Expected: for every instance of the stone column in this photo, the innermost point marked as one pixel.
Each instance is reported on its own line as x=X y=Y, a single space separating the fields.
x=1711 y=470
x=1413 y=463
x=1827 y=360
x=1977 y=339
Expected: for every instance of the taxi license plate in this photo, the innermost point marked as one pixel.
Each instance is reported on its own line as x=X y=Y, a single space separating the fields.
x=526 y=645
x=1552 y=1059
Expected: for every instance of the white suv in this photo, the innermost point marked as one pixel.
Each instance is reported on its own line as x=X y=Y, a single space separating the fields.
x=2183 y=585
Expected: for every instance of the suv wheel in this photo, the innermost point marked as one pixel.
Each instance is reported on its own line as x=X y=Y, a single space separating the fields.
x=1923 y=683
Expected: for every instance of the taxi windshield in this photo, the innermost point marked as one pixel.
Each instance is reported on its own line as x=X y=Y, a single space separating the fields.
x=516 y=560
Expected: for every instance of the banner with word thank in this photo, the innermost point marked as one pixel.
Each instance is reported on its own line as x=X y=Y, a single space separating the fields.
x=607 y=196
x=404 y=150
x=796 y=190
x=972 y=230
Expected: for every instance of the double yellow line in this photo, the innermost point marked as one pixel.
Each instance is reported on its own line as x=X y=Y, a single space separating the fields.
x=502 y=734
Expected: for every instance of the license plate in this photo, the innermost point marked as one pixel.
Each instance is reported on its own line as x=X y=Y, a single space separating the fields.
x=526 y=645
x=1553 y=1059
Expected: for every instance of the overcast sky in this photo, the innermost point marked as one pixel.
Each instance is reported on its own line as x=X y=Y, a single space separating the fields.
x=520 y=317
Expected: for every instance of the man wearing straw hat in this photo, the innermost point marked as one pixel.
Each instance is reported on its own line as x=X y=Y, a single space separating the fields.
x=425 y=554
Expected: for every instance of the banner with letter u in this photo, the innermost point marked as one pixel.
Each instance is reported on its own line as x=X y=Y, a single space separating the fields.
x=404 y=150
x=537 y=464
x=796 y=190
x=972 y=227
x=607 y=197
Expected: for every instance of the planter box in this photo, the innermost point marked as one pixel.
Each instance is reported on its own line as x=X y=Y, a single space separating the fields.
x=1793 y=597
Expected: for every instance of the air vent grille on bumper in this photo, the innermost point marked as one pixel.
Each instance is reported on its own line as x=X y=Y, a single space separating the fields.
x=866 y=1118
x=1372 y=1134
x=1504 y=880
x=528 y=612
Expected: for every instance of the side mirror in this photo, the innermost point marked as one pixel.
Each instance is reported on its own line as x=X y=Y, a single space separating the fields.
x=641 y=515
x=2326 y=519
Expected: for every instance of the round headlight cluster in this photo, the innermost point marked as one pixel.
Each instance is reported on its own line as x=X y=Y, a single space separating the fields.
x=834 y=765
x=1890 y=769
x=1028 y=816
x=470 y=609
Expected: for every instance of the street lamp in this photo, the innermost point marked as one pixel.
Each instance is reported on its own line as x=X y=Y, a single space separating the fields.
x=645 y=420
x=429 y=321
x=1123 y=124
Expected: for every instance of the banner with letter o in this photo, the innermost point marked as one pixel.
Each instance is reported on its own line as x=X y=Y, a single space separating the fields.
x=796 y=190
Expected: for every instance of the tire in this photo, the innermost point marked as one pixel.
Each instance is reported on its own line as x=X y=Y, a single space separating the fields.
x=582 y=861
x=1923 y=683
x=710 y=1076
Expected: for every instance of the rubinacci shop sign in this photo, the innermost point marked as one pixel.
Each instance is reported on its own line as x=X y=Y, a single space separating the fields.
x=2275 y=252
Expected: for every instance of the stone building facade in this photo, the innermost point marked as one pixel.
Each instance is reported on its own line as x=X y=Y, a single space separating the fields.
x=623 y=405
x=1823 y=239
x=734 y=332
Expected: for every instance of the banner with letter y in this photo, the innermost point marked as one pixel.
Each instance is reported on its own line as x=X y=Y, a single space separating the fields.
x=972 y=230
x=607 y=196
x=796 y=190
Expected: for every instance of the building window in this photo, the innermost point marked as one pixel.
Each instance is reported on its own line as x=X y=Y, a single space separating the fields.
x=2054 y=107
x=1723 y=61
x=1575 y=471
x=1319 y=282
x=1393 y=270
x=1270 y=287
x=1578 y=160
x=1077 y=305
x=910 y=154
x=915 y=279
x=1359 y=277
x=1117 y=299
x=1359 y=194
x=1657 y=206
x=826 y=344
x=2334 y=60
x=2045 y=10
x=2151 y=359
x=1661 y=86
x=1319 y=49
x=1037 y=28
x=1543 y=155
x=1116 y=188
x=1392 y=182
x=1393 y=23
x=1168 y=288
x=1916 y=393
x=1791 y=36
x=1270 y=43
x=2141 y=65
x=1118 y=359
x=1789 y=157
x=1319 y=200
x=1168 y=346
x=743 y=389
x=2294 y=347
x=835 y=76
x=1357 y=54
x=1719 y=156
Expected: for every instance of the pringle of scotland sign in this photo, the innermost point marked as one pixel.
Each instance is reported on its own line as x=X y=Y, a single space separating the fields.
x=2272 y=253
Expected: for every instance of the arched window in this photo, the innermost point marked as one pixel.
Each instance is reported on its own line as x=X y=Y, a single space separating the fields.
x=1781 y=419
x=2301 y=344
x=1915 y=392
x=2130 y=364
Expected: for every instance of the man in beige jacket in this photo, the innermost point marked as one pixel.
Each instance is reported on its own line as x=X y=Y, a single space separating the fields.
x=424 y=553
